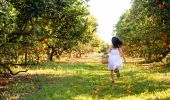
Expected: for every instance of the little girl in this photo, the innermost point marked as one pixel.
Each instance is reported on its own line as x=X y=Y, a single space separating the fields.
x=115 y=61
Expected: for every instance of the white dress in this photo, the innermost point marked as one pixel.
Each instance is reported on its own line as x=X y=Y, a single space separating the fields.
x=114 y=60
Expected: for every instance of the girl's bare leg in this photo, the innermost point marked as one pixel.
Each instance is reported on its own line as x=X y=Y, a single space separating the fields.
x=112 y=76
x=117 y=72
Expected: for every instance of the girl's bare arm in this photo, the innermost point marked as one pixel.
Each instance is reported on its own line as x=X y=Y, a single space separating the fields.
x=110 y=48
x=121 y=52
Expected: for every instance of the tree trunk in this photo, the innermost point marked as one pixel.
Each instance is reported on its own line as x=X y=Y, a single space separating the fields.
x=17 y=57
x=70 y=54
x=80 y=54
x=58 y=57
x=26 y=56
x=51 y=54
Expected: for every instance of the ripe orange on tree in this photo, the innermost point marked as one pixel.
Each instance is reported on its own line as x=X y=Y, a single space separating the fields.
x=164 y=44
x=161 y=33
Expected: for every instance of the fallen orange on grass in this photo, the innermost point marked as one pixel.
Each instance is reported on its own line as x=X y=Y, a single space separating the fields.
x=53 y=82
x=130 y=91
x=3 y=83
x=19 y=81
x=97 y=91
x=101 y=84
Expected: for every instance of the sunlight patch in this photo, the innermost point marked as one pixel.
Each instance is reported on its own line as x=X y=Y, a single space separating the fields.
x=162 y=95
x=83 y=97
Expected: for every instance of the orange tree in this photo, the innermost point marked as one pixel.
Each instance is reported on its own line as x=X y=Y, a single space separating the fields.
x=84 y=46
x=60 y=23
x=68 y=28
x=145 y=29
x=16 y=34
x=26 y=25
x=10 y=40
x=27 y=16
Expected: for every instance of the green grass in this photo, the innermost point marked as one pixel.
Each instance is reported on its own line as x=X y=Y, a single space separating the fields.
x=79 y=81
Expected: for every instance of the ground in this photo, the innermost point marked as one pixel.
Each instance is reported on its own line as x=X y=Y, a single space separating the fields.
x=88 y=79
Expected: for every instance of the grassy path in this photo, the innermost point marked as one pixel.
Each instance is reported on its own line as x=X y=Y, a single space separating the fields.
x=90 y=81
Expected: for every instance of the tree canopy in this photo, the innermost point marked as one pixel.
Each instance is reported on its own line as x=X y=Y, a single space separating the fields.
x=145 y=29
x=32 y=31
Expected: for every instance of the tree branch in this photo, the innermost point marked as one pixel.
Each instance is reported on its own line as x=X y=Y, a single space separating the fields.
x=11 y=72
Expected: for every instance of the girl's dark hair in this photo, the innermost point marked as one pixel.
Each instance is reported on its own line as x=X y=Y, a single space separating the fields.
x=116 y=42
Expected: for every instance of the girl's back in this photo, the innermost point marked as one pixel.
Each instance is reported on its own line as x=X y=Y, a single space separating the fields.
x=114 y=52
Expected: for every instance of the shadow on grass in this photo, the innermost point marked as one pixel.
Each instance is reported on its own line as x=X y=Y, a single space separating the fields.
x=82 y=85
x=160 y=69
x=69 y=66
x=76 y=86
x=132 y=70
